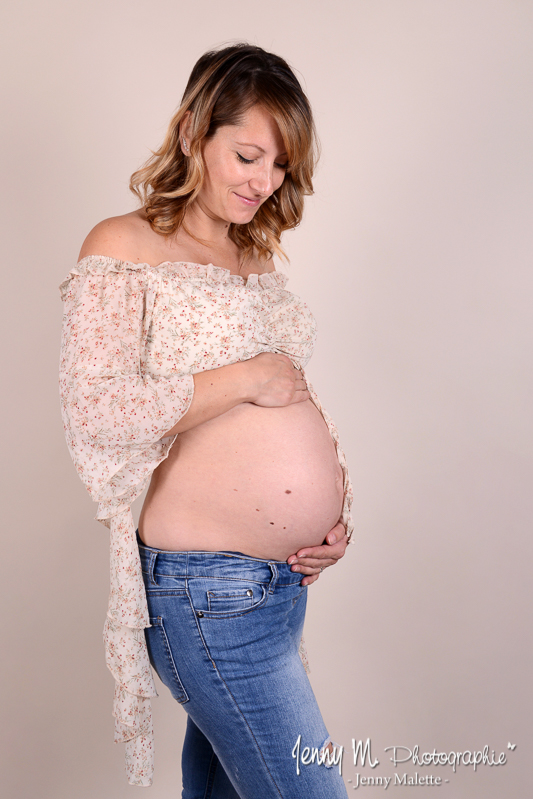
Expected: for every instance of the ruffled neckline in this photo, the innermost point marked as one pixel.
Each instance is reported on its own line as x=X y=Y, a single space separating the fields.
x=103 y=264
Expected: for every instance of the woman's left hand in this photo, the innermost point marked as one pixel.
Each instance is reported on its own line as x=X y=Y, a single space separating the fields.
x=312 y=560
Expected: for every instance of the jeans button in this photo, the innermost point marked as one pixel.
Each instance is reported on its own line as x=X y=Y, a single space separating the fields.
x=200 y=614
x=249 y=592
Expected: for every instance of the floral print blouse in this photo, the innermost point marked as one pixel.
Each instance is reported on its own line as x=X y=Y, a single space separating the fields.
x=133 y=336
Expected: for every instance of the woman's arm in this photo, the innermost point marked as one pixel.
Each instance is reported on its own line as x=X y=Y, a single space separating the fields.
x=114 y=413
x=268 y=379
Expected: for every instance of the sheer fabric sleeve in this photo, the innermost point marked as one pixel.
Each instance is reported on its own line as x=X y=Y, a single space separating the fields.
x=115 y=415
x=115 y=418
x=285 y=323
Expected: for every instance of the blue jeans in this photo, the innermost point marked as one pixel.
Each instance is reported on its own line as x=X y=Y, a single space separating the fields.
x=224 y=639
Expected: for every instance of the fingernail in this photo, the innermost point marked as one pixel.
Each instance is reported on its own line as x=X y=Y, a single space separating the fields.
x=292 y=560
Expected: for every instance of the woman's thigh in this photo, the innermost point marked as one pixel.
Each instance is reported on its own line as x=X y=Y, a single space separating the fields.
x=224 y=638
x=203 y=773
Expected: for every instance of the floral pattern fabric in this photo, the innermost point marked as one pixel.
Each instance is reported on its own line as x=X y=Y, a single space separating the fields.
x=133 y=336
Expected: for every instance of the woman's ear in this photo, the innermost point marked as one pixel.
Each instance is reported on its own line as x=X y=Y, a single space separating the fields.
x=184 y=133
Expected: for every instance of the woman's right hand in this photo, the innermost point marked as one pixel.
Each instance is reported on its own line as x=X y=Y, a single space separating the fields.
x=268 y=379
x=276 y=381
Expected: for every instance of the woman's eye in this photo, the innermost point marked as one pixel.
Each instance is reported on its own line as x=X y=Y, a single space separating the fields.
x=244 y=160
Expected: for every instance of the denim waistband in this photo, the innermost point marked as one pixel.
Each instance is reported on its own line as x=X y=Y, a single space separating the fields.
x=199 y=563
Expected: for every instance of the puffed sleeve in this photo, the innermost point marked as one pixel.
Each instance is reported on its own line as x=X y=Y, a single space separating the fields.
x=288 y=325
x=115 y=415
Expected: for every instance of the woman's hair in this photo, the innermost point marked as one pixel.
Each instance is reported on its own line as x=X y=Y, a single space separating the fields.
x=223 y=85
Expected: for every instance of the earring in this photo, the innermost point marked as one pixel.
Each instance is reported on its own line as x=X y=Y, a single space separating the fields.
x=183 y=139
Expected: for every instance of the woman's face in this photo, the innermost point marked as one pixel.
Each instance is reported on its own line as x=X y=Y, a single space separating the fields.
x=245 y=164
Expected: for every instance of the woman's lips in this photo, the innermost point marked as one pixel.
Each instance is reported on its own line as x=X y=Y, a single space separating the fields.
x=247 y=200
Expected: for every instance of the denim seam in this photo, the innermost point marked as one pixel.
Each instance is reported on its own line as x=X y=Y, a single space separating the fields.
x=151 y=574
x=173 y=668
x=211 y=774
x=242 y=579
x=243 y=717
x=208 y=653
x=274 y=578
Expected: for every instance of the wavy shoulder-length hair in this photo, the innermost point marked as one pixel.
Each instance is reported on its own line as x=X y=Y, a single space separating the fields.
x=223 y=85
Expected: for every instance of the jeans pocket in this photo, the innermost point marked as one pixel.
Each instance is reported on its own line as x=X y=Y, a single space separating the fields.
x=162 y=659
x=230 y=600
x=218 y=598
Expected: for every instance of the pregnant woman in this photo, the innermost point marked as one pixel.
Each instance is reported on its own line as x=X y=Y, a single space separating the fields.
x=182 y=360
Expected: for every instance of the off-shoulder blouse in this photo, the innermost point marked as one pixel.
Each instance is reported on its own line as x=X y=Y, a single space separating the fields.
x=133 y=336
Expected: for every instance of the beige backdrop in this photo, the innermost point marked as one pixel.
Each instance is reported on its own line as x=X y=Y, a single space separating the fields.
x=415 y=255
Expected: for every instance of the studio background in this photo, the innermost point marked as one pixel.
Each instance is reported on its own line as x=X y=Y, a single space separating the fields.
x=414 y=254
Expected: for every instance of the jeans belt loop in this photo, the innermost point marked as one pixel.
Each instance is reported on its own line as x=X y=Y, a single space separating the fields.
x=274 y=578
x=151 y=567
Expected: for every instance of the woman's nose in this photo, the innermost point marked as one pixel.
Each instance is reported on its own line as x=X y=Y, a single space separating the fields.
x=263 y=180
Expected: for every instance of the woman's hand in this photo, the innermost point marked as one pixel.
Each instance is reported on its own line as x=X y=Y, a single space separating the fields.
x=312 y=560
x=276 y=381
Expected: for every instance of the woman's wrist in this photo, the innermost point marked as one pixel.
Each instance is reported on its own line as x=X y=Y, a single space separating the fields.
x=216 y=391
x=241 y=382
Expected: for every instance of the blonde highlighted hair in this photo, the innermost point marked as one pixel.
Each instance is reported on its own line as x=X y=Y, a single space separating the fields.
x=223 y=85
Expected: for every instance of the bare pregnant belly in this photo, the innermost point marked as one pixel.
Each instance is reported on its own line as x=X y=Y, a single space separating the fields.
x=262 y=481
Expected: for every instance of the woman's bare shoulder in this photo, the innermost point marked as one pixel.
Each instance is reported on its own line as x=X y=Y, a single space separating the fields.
x=121 y=237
